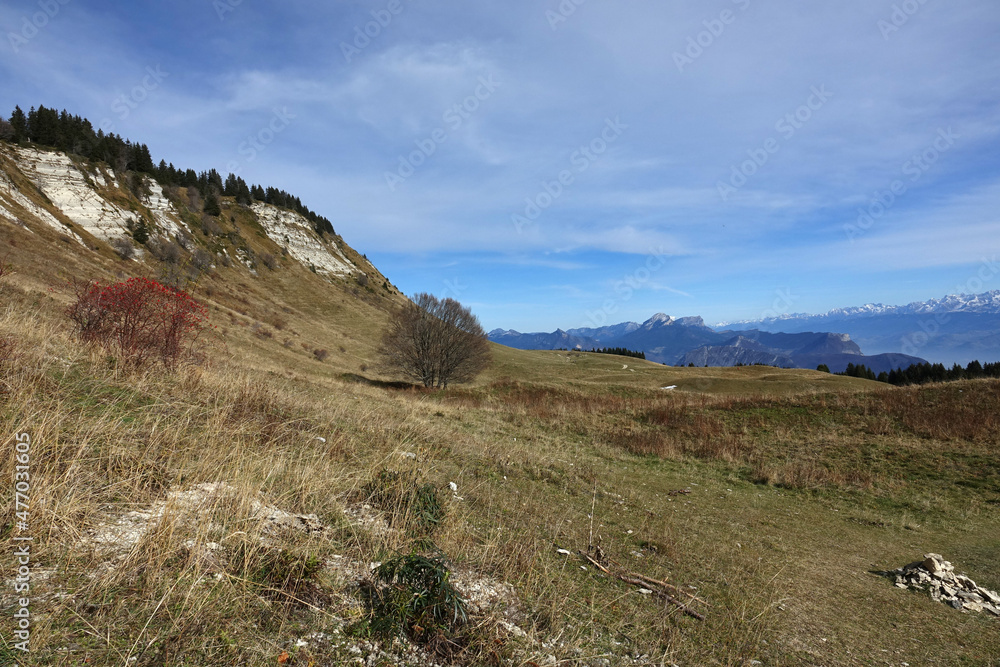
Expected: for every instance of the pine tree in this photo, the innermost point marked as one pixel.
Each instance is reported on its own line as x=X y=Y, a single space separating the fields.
x=20 y=123
x=212 y=205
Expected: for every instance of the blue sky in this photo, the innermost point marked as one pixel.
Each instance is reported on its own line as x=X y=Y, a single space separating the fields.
x=570 y=163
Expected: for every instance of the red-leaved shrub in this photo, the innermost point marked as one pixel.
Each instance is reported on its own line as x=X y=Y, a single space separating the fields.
x=140 y=320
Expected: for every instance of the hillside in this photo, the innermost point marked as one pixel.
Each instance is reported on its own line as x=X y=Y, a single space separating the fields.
x=230 y=513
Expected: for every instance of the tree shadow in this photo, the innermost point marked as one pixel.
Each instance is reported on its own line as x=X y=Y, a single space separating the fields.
x=383 y=384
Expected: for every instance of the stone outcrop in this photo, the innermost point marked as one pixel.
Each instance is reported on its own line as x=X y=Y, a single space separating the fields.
x=295 y=233
x=74 y=193
x=937 y=576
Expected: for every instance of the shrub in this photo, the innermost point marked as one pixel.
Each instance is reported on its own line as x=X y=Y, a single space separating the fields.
x=184 y=240
x=321 y=355
x=164 y=250
x=202 y=260
x=276 y=571
x=123 y=247
x=210 y=227
x=413 y=594
x=140 y=320
x=417 y=506
x=261 y=331
x=269 y=260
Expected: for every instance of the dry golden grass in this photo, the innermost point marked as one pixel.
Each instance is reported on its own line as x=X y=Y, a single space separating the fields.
x=800 y=484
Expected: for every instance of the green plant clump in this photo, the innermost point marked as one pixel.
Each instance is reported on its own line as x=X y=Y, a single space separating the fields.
x=413 y=595
x=402 y=495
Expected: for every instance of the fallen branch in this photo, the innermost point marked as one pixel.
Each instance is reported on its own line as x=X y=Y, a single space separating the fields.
x=594 y=563
x=670 y=587
x=662 y=594
x=661 y=589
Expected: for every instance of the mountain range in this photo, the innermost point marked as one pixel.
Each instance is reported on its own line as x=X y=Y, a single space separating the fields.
x=954 y=329
x=689 y=340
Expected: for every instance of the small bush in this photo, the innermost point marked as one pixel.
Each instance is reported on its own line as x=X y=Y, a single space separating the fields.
x=413 y=595
x=210 y=227
x=123 y=247
x=164 y=250
x=194 y=199
x=401 y=494
x=140 y=320
x=176 y=276
x=320 y=355
x=261 y=331
x=202 y=260
x=275 y=571
x=269 y=260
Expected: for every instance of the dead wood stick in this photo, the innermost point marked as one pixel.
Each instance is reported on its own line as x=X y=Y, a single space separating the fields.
x=663 y=594
x=669 y=587
x=595 y=563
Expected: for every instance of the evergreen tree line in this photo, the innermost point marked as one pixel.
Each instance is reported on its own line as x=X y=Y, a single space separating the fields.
x=926 y=372
x=76 y=135
x=620 y=351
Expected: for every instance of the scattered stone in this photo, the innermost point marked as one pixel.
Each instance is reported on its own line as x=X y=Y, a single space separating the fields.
x=937 y=576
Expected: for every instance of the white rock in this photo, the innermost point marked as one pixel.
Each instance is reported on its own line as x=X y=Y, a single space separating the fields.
x=68 y=190
x=293 y=231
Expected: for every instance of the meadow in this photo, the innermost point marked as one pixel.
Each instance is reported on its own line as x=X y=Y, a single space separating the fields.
x=772 y=496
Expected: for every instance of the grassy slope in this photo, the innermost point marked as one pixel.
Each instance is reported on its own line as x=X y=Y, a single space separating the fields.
x=801 y=484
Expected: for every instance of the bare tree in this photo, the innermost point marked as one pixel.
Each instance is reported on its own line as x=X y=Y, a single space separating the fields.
x=123 y=246
x=435 y=342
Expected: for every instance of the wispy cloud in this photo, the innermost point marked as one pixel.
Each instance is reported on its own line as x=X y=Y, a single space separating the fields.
x=654 y=188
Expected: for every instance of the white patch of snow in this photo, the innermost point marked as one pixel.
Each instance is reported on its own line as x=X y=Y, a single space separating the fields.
x=291 y=230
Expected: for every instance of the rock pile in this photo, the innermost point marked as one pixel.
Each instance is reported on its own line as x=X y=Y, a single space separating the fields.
x=936 y=575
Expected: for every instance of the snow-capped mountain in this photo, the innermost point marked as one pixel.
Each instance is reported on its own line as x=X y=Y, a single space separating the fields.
x=985 y=303
x=957 y=328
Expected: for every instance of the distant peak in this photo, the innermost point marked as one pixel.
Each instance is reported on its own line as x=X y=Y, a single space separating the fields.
x=690 y=322
x=659 y=318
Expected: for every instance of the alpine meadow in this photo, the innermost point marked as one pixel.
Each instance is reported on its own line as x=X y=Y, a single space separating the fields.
x=265 y=397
